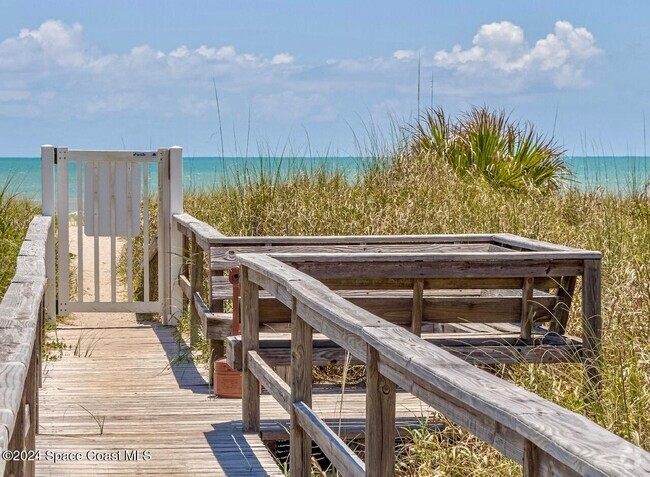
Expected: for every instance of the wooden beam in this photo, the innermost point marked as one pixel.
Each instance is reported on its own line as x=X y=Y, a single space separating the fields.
x=416 y=314
x=301 y=383
x=196 y=283
x=250 y=342
x=591 y=328
x=495 y=348
x=380 y=419
x=527 y=311
x=562 y=307
x=342 y=457
x=273 y=383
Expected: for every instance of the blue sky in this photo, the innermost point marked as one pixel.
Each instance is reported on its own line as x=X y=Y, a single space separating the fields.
x=310 y=76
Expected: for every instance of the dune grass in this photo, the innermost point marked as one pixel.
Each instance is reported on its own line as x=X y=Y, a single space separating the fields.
x=16 y=213
x=407 y=193
x=409 y=190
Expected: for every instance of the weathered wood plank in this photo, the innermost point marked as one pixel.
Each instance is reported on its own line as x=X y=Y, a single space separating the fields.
x=528 y=312
x=380 y=419
x=591 y=327
x=250 y=338
x=196 y=283
x=301 y=383
x=460 y=309
x=351 y=239
x=12 y=383
x=567 y=437
x=190 y=433
x=407 y=257
x=343 y=458
x=531 y=244
x=204 y=233
x=446 y=267
x=348 y=428
x=222 y=258
x=221 y=284
x=38 y=228
x=417 y=310
x=502 y=414
x=280 y=390
x=184 y=283
x=562 y=307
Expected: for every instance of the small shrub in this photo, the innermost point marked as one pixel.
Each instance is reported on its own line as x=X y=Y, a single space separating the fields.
x=506 y=153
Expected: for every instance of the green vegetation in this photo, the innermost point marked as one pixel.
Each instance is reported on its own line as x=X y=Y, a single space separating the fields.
x=461 y=177
x=15 y=215
x=418 y=191
x=505 y=153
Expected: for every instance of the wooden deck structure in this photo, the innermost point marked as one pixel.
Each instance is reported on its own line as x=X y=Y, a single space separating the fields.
x=123 y=378
x=418 y=311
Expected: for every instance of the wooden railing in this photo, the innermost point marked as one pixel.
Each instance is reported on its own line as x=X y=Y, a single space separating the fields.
x=22 y=315
x=544 y=438
x=206 y=314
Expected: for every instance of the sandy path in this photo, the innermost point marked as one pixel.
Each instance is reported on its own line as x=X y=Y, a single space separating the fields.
x=98 y=320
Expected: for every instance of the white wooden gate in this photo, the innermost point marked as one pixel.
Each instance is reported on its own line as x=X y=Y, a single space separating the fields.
x=111 y=193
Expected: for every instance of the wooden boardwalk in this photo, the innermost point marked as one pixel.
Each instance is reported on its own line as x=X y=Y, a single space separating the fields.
x=118 y=370
x=121 y=374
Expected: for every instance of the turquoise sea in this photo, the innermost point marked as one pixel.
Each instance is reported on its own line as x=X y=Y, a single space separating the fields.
x=612 y=173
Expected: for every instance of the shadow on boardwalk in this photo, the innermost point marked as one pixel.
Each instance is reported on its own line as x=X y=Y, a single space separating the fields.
x=145 y=404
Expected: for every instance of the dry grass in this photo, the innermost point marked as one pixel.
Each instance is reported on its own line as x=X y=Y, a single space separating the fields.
x=15 y=215
x=412 y=194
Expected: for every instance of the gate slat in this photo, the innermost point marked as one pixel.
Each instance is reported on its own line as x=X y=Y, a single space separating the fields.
x=96 y=227
x=145 y=232
x=113 y=245
x=64 y=243
x=129 y=231
x=80 y=238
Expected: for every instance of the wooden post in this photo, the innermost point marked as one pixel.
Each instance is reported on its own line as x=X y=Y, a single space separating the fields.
x=196 y=283
x=63 y=206
x=216 y=346
x=380 y=419
x=526 y=315
x=187 y=269
x=301 y=383
x=591 y=327
x=163 y=236
x=416 y=313
x=250 y=316
x=562 y=307
x=48 y=209
x=530 y=463
x=175 y=236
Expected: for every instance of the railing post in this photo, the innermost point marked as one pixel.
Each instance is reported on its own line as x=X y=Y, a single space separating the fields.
x=216 y=346
x=196 y=283
x=187 y=269
x=380 y=419
x=48 y=209
x=591 y=328
x=301 y=383
x=530 y=465
x=175 y=236
x=250 y=317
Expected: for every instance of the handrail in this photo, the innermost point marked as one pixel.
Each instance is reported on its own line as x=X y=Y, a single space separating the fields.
x=22 y=313
x=544 y=437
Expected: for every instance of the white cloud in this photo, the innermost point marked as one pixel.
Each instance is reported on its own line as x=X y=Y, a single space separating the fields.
x=500 y=52
x=405 y=54
x=90 y=81
x=53 y=67
x=282 y=59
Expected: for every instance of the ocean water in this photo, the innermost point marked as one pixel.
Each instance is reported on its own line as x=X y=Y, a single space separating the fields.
x=612 y=173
